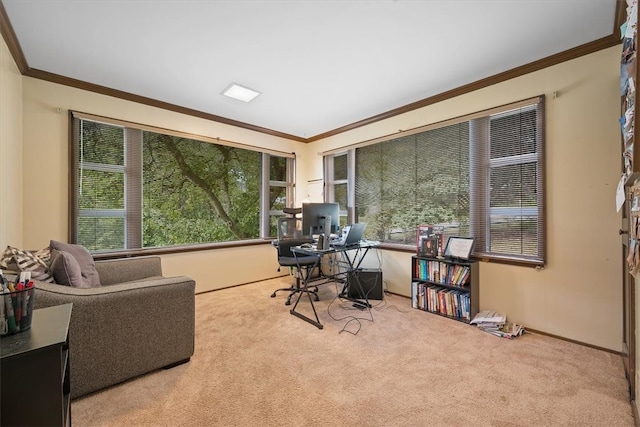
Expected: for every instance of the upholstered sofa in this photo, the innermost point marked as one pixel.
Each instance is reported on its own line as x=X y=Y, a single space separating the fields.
x=136 y=322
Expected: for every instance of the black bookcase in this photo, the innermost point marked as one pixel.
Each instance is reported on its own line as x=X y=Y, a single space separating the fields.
x=446 y=287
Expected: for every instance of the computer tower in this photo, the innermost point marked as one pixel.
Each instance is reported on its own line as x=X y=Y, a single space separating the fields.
x=370 y=281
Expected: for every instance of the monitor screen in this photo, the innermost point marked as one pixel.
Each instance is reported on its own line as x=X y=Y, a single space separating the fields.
x=314 y=214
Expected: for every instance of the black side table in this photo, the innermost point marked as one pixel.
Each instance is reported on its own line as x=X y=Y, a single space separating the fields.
x=34 y=371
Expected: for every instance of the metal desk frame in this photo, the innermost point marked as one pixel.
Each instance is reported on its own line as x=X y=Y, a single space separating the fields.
x=352 y=255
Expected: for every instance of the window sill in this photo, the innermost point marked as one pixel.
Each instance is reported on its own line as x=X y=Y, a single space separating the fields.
x=178 y=249
x=483 y=257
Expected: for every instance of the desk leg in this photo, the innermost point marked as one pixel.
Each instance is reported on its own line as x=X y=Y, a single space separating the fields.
x=352 y=273
x=305 y=280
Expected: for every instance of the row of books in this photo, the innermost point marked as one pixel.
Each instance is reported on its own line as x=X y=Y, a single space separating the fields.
x=442 y=272
x=496 y=324
x=436 y=299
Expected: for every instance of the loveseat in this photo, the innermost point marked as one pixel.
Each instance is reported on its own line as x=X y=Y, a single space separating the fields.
x=136 y=322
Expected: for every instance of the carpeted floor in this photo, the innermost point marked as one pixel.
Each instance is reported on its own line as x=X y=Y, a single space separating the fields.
x=257 y=365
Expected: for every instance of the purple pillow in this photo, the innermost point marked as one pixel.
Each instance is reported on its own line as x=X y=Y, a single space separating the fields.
x=87 y=265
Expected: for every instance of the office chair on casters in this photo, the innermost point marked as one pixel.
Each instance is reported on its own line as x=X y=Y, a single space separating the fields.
x=301 y=265
x=290 y=227
x=290 y=235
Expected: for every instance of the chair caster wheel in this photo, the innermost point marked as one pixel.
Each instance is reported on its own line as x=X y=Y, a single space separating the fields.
x=273 y=295
x=317 y=298
x=288 y=302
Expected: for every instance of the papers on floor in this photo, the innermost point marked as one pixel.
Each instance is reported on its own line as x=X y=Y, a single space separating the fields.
x=496 y=324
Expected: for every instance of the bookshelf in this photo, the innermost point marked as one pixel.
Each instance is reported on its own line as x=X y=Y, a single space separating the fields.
x=446 y=287
x=630 y=176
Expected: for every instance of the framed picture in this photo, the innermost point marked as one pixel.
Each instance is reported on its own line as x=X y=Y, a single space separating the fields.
x=424 y=232
x=459 y=247
x=430 y=241
x=429 y=246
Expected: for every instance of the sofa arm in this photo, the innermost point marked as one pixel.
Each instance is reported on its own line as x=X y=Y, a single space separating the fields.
x=124 y=330
x=128 y=269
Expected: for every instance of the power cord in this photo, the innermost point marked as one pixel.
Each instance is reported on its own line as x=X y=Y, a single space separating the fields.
x=349 y=318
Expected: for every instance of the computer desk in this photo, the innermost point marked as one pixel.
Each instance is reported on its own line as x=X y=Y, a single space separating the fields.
x=351 y=258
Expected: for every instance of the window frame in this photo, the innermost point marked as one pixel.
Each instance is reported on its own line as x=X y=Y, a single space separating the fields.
x=481 y=230
x=130 y=171
x=289 y=184
x=347 y=215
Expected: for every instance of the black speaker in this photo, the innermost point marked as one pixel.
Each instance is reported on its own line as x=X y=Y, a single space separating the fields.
x=365 y=283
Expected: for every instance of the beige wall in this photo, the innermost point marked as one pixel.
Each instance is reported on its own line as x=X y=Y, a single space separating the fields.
x=10 y=149
x=45 y=150
x=578 y=294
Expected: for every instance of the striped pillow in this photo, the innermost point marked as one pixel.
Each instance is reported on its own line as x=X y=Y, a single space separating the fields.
x=37 y=262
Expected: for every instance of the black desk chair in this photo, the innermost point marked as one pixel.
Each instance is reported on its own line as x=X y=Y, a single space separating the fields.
x=299 y=263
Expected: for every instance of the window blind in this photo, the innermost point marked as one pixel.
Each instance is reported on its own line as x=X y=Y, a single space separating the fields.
x=479 y=176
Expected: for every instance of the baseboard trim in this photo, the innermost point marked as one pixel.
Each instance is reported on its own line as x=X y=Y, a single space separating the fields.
x=608 y=350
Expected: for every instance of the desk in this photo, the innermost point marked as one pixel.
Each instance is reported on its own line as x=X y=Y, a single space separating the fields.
x=351 y=257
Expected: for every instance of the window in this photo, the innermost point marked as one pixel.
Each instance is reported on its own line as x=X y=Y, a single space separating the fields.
x=336 y=167
x=477 y=176
x=137 y=187
x=280 y=189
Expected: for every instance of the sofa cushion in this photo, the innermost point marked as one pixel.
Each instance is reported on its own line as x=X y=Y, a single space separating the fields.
x=66 y=270
x=83 y=257
x=37 y=262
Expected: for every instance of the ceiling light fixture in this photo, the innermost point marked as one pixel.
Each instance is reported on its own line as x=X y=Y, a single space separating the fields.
x=239 y=92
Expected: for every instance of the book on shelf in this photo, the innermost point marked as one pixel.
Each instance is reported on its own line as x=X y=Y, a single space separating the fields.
x=414 y=294
x=442 y=272
x=436 y=299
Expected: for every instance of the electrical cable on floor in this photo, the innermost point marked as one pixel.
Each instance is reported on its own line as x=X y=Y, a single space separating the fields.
x=349 y=318
x=339 y=270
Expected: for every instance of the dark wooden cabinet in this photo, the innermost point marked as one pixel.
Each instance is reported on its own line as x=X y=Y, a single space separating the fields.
x=35 y=369
x=446 y=287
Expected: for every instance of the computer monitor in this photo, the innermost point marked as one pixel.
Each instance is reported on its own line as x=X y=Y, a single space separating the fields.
x=314 y=214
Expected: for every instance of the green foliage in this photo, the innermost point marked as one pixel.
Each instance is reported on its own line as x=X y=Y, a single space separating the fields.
x=101 y=190
x=419 y=179
x=192 y=191
x=101 y=143
x=101 y=234
x=278 y=169
x=197 y=192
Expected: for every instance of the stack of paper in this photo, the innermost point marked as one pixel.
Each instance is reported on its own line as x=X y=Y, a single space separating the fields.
x=488 y=319
x=509 y=330
x=496 y=324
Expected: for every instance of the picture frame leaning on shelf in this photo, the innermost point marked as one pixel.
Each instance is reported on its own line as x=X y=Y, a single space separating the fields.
x=459 y=247
x=430 y=241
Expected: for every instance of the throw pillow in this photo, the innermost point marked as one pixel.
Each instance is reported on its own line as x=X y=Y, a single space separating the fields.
x=84 y=258
x=66 y=270
x=37 y=263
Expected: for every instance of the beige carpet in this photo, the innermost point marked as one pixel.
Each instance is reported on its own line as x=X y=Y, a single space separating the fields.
x=257 y=365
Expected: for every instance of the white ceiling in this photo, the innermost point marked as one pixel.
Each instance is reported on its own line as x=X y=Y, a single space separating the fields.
x=320 y=65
